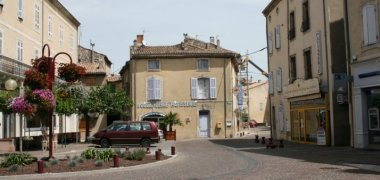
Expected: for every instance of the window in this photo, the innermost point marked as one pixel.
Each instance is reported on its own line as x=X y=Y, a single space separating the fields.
x=153 y=65
x=292 y=31
x=20 y=9
x=135 y=126
x=270 y=43
x=203 y=88
x=37 y=17
x=1 y=43
x=279 y=80
x=307 y=58
x=370 y=32
x=36 y=53
x=20 y=50
x=261 y=106
x=305 y=16
x=146 y=126
x=277 y=32
x=292 y=69
x=154 y=85
x=203 y=65
x=61 y=35
x=50 y=27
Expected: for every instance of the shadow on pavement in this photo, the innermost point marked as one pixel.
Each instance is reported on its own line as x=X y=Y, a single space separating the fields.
x=311 y=153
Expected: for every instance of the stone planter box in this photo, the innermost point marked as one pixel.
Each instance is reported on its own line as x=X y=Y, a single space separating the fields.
x=7 y=145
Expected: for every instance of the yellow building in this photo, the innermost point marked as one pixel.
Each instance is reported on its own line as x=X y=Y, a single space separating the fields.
x=25 y=26
x=259 y=102
x=307 y=71
x=193 y=78
x=363 y=35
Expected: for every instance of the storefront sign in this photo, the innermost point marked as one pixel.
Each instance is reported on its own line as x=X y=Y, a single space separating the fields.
x=167 y=104
x=319 y=51
x=321 y=136
x=302 y=87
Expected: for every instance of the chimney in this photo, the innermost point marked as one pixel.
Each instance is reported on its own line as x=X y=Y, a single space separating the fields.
x=139 y=39
x=217 y=42
x=212 y=39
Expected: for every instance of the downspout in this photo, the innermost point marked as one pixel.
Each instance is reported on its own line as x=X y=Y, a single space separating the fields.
x=225 y=99
x=287 y=15
x=328 y=77
x=349 y=82
x=269 y=95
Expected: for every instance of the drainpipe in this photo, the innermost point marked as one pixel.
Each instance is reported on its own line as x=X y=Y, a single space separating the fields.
x=349 y=82
x=269 y=95
x=225 y=99
x=328 y=77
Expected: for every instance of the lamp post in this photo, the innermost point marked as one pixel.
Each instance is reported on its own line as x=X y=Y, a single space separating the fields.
x=51 y=77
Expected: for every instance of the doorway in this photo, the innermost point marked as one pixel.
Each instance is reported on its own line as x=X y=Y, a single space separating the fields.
x=204 y=123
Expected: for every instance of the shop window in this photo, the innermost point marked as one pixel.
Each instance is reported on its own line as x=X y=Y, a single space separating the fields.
x=373 y=117
x=370 y=24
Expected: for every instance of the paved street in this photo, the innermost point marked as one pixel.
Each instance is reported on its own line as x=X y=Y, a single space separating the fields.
x=242 y=158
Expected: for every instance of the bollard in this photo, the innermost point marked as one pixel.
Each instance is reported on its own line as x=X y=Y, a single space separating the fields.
x=262 y=140
x=281 y=145
x=158 y=154
x=159 y=150
x=257 y=139
x=40 y=166
x=173 y=150
x=147 y=151
x=116 y=161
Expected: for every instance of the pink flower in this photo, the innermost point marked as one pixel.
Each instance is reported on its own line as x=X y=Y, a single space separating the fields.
x=19 y=105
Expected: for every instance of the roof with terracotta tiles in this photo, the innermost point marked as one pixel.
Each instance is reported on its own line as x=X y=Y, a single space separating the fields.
x=93 y=68
x=113 y=78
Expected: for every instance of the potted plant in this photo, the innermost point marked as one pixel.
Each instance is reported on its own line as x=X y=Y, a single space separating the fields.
x=42 y=64
x=36 y=80
x=71 y=72
x=171 y=119
x=22 y=106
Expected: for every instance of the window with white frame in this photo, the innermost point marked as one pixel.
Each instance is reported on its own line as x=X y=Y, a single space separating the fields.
x=203 y=65
x=153 y=65
x=37 y=17
x=20 y=9
x=61 y=37
x=277 y=31
x=370 y=31
x=20 y=50
x=50 y=27
x=154 y=88
x=203 y=88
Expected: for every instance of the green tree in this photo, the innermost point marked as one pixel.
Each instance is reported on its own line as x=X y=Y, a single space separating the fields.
x=171 y=119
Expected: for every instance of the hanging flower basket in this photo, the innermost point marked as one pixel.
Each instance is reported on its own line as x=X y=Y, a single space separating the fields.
x=42 y=98
x=36 y=80
x=20 y=105
x=71 y=72
x=42 y=64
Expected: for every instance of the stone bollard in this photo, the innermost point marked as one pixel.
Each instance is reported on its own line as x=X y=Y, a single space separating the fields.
x=262 y=140
x=257 y=140
x=116 y=161
x=173 y=150
x=40 y=166
x=281 y=145
x=158 y=154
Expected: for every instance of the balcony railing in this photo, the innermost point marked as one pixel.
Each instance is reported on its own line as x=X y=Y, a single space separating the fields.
x=13 y=67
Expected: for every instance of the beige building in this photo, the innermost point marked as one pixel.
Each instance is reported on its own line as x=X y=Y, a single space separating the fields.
x=25 y=26
x=193 y=78
x=307 y=71
x=258 y=102
x=363 y=35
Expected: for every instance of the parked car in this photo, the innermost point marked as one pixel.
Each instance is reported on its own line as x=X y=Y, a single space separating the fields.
x=161 y=134
x=144 y=133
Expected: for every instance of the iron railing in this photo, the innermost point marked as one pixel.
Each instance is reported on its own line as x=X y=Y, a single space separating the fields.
x=13 y=67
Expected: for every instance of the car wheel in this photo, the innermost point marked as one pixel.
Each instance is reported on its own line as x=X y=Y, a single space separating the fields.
x=104 y=143
x=145 y=142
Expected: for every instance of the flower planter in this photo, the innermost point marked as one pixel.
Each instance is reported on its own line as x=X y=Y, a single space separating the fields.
x=170 y=135
x=71 y=72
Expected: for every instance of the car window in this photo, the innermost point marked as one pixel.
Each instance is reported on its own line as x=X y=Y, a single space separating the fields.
x=135 y=127
x=118 y=127
x=146 y=127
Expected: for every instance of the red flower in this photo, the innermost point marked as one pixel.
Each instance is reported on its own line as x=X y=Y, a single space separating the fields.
x=71 y=72
x=36 y=80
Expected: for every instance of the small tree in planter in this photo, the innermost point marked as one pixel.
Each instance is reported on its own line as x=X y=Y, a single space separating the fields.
x=171 y=119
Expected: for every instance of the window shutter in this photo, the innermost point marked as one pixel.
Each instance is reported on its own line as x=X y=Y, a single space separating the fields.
x=279 y=80
x=213 y=88
x=150 y=88
x=194 y=88
x=270 y=81
x=157 y=89
x=270 y=43
x=278 y=36
x=371 y=23
x=20 y=12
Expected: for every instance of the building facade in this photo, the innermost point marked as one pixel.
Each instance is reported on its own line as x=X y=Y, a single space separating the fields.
x=25 y=26
x=259 y=104
x=194 y=79
x=364 y=57
x=307 y=71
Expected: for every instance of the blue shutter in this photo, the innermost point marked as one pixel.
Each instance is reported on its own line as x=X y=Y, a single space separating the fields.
x=212 y=88
x=194 y=88
x=369 y=24
x=157 y=89
x=150 y=88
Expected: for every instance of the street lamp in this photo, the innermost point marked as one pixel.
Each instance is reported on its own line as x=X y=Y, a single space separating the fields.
x=10 y=84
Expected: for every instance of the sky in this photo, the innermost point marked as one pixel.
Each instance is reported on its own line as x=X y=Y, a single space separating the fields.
x=113 y=25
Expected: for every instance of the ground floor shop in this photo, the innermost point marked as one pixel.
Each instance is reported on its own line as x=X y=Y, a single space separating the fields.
x=366 y=104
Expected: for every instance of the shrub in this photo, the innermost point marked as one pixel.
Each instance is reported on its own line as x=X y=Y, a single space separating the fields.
x=138 y=154
x=89 y=153
x=80 y=160
x=104 y=155
x=99 y=162
x=54 y=161
x=72 y=163
x=46 y=164
x=19 y=159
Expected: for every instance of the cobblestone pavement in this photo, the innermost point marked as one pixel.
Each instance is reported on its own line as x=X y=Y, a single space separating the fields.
x=242 y=158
